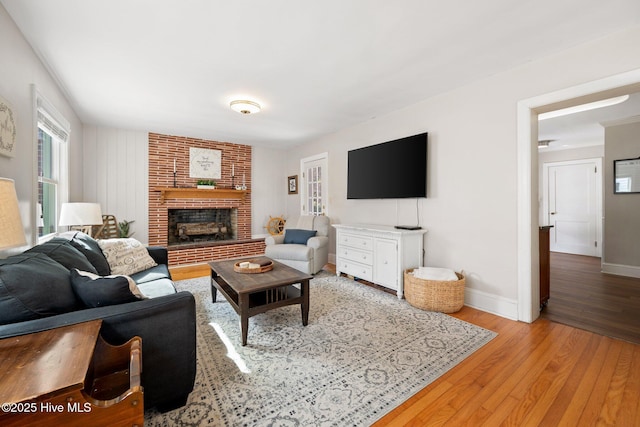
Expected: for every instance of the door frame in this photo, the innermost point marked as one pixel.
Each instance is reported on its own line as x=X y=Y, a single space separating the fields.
x=325 y=182
x=528 y=306
x=598 y=198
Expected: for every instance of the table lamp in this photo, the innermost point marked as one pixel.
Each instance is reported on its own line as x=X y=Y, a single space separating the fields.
x=80 y=216
x=11 y=231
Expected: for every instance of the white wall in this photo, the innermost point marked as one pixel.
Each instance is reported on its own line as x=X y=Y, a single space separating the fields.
x=471 y=211
x=116 y=175
x=268 y=192
x=19 y=69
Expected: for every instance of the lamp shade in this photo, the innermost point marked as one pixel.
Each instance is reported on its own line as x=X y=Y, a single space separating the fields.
x=11 y=231
x=80 y=214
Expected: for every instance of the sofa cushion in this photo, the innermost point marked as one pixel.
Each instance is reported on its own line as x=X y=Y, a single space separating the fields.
x=126 y=256
x=157 y=288
x=90 y=248
x=32 y=285
x=100 y=291
x=293 y=252
x=298 y=236
x=62 y=251
x=160 y=271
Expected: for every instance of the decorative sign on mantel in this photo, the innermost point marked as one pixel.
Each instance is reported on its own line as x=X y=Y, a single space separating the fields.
x=7 y=129
x=204 y=163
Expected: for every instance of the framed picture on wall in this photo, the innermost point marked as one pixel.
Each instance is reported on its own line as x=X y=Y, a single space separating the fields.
x=626 y=176
x=204 y=163
x=7 y=129
x=293 y=184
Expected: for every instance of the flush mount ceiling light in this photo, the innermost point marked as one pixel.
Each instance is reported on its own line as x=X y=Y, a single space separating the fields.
x=583 y=107
x=244 y=106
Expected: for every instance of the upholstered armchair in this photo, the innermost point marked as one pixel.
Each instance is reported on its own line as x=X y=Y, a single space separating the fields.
x=304 y=246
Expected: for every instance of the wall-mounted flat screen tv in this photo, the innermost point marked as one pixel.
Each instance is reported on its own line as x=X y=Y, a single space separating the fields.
x=391 y=170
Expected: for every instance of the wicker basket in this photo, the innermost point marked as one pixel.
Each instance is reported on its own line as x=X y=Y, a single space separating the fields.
x=434 y=295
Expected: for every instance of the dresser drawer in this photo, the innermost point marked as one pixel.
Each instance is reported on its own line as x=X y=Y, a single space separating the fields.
x=351 y=254
x=355 y=269
x=360 y=242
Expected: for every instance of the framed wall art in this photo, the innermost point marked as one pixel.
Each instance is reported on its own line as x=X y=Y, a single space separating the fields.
x=626 y=176
x=204 y=163
x=293 y=184
x=7 y=129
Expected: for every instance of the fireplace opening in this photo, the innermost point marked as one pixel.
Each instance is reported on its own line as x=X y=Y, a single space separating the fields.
x=202 y=225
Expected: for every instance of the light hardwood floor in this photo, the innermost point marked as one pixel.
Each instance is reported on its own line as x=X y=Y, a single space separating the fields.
x=539 y=374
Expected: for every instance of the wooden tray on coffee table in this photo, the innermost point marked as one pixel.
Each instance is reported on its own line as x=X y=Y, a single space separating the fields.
x=252 y=270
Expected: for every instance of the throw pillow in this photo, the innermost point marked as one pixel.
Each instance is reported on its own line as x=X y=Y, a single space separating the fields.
x=62 y=251
x=300 y=237
x=126 y=256
x=90 y=248
x=100 y=291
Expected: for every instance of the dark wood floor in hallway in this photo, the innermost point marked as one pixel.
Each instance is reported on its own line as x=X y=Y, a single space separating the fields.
x=585 y=298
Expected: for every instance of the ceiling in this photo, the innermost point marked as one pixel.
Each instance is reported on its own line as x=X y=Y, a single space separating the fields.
x=585 y=128
x=173 y=66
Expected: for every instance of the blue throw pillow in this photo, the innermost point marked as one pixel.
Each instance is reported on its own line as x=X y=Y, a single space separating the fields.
x=297 y=236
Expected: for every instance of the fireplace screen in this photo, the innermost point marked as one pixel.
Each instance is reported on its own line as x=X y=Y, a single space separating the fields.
x=202 y=225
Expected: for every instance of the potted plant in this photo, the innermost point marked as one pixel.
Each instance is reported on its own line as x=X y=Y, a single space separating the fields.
x=206 y=183
x=123 y=229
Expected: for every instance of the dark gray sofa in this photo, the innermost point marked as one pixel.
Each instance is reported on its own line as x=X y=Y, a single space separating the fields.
x=36 y=294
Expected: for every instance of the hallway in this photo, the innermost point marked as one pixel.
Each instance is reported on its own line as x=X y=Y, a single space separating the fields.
x=583 y=297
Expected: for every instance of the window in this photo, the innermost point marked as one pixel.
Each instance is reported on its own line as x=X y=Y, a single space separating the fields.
x=52 y=137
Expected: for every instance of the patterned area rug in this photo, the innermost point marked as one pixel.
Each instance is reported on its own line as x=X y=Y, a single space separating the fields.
x=363 y=353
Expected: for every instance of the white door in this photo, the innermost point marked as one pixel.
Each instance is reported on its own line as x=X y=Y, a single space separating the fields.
x=573 y=205
x=314 y=172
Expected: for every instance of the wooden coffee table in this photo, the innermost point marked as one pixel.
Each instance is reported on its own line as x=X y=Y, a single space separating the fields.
x=254 y=293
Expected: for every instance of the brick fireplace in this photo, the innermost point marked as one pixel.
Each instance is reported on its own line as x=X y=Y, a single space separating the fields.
x=233 y=239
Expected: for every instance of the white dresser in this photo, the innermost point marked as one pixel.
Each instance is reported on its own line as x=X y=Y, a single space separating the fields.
x=378 y=253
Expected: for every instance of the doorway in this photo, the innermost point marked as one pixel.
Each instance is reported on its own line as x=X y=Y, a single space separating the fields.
x=527 y=142
x=314 y=171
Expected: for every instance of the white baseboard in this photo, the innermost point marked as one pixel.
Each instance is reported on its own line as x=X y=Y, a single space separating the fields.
x=621 y=270
x=500 y=306
x=490 y=303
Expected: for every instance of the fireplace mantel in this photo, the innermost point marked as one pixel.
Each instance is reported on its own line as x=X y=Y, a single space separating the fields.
x=199 y=193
